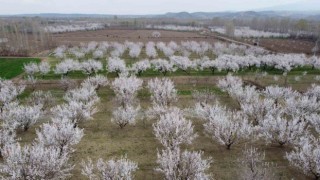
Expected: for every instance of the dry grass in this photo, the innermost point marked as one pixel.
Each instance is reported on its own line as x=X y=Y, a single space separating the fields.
x=105 y=140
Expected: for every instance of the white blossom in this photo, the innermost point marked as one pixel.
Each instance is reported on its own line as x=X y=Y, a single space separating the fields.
x=313 y=91
x=23 y=116
x=306 y=156
x=204 y=96
x=75 y=111
x=118 y=49
x=125 y=115
x=7 y=137
x=90 y=67
x=278 y=129
x=165 y=49
x=174 y=164
x=41 y=98
x=44 y=68
x=163 y=66
x=116 y=65
x=258 y=109
x=253 y=165
x=59 y=52
x=141 y=66
x=228 y=127
x=109 y=170
x=173 y=129
x=31 y=68
x=96 y=82
x=9 y=92
x=97 y=54
x=34 y=162
x=247 y=32
x=134 y=50
x=163 y=91
x=66 y=66
x=151 y=50
x=67 y=83
x=174 y=27
x=181 y=62
x=126 y=89
x=279 y=93
x=60 y=134
x=314 y=119
x=82 y=94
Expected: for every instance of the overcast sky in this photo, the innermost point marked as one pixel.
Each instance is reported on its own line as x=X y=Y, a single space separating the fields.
x=134 y=6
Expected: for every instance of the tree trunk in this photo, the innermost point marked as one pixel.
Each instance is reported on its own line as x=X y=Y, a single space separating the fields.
x=229 y=146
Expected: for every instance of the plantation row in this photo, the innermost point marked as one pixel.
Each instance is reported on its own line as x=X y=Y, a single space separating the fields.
x=174 y=27
x=74 y=27
x=274 y=115
x=96 y=26
x=283 y=63
x=152 y=50
x=247 y=32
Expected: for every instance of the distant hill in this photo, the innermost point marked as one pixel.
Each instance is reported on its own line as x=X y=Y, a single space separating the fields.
x=208 y=15
x=244 y=14
x=313 y=15
x=59 y=15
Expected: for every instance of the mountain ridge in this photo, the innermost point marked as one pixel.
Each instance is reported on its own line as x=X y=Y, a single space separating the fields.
x=315 y=15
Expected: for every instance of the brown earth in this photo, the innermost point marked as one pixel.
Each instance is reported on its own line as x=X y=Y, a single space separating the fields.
x=142 y=35
x=130 y=35
x=285 y=45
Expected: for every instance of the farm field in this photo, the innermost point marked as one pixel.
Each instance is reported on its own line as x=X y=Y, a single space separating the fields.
x=280 y=45
x=194 y=63
x=121 y=35
x=287 y=45
x=12 y=67
x=159 y=90
x=104 y=139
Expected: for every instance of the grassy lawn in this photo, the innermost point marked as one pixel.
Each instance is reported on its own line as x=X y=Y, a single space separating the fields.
x=12 y=67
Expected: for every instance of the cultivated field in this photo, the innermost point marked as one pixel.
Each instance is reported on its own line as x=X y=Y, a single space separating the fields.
x=11 y=67
x=194 y=67
x=121 y=35
x=104 y=139
x=286 y=45
x=279 y=45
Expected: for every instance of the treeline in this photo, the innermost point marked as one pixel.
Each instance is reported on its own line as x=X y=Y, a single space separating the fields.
x=23 y=36
x=297 y=28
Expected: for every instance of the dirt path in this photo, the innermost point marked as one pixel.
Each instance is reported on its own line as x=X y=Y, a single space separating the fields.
x=228 y=39
x=42 y=54
x=233 y=41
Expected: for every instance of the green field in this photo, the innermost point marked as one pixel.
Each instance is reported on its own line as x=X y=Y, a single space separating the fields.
x=12 y=67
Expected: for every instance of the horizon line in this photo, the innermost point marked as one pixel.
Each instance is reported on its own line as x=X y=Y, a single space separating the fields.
x=227 y=11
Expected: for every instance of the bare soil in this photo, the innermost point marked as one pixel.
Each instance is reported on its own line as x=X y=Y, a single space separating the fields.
x=104 y=139
x=285 y=45
x=119 y=35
